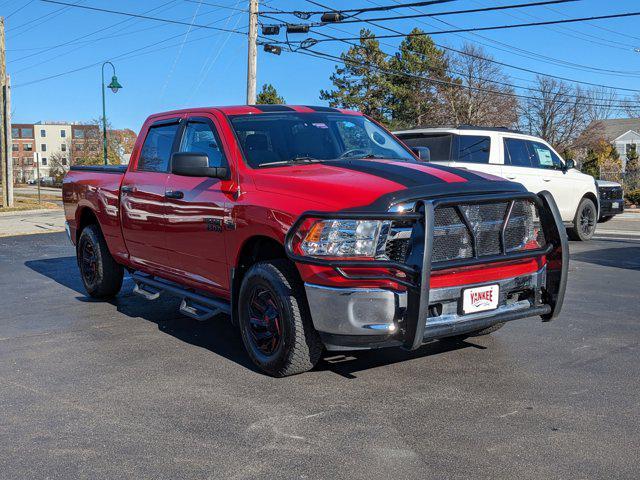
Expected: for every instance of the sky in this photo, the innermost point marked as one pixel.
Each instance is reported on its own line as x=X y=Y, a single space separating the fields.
x=55 y=52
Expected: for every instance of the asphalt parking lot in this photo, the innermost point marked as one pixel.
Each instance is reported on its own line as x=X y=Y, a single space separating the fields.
x=131 y=389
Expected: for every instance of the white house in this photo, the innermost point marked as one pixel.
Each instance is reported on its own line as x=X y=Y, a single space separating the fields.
x=623 y=133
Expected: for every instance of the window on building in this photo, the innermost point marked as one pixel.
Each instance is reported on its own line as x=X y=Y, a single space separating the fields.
x=78 y=133
x=63 y=160
x=26 y=132
x=15 y=147
x=43 y=133
x=63 y=133
x=28 y=147
x=15 y=132
x=63 y=147
x=43 y=147
x=28 y=160
x=44 y=161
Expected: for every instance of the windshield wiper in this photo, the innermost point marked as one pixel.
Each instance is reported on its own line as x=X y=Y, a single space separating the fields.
x=291 y=161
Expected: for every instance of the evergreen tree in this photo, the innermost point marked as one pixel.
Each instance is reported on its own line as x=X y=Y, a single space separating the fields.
x=418 y=69
x=269 y=96
x=362 y=83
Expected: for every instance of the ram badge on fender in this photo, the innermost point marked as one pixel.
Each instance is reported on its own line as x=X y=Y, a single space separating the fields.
x=313 y=228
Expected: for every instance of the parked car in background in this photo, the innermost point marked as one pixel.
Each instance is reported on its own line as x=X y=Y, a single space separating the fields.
x=611 y=197
x=517 y=157
x=313 y=228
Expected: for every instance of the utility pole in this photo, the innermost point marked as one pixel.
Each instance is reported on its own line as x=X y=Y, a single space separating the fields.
x=252 y=65
x=8 y=140
x=3 y=137
x=36 y=157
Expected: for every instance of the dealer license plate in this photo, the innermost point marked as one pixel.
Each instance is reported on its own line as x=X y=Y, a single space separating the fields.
x=480 y=299
x=615 y=205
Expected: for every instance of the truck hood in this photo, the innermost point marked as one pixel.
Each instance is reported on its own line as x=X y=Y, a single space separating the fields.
x=374 y=184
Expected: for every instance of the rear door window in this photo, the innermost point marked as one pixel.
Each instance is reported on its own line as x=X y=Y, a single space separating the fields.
x=473 y=149
x=517 y=152
x=157 y=148
x=439 y=145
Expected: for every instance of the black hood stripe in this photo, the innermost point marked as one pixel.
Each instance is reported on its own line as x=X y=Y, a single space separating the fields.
x=407 y=177
x=461 y=172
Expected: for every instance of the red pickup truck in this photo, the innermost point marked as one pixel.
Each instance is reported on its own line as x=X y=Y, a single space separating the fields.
x=313 y=228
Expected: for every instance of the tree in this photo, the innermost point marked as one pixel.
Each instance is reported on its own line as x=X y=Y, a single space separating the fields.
x=269 y=96
x=362 y=83
x=58 y=166
x=88 y=149
x=417 y=79
x=602 y=157
x=481 y=98
x=555 y=111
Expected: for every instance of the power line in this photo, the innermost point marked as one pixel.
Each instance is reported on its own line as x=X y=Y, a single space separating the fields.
x=516 y=50
x=20 y=8
x=136 y=15
x=353 y=19
x=491 y=60
x=244 y=10
x=362 y=10
x=75 y=40
x=327 y=56
x=497 y=27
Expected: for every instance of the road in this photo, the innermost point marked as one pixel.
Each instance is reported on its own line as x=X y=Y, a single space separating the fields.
x=130 y=389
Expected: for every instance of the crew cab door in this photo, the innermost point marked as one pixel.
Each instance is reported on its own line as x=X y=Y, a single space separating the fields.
x=198 y=212
x=142 y=197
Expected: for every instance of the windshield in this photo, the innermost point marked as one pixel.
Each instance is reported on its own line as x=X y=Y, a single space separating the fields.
x=282 y=138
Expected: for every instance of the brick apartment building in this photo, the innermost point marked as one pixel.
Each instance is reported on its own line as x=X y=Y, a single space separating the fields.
x=71 y=143
x=22 y=149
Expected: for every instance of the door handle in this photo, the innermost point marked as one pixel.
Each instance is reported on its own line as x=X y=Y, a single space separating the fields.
x=546 y=179
x=177 y=194
x=127 y=189
x=511 y=177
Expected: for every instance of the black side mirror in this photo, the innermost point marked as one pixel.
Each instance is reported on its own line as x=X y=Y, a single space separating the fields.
x=423 y=153
x=190 y=164
x=569 y=164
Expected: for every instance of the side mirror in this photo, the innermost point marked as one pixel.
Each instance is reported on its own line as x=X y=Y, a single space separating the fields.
x=190 y=164
x=423 y=153
x=569 y=164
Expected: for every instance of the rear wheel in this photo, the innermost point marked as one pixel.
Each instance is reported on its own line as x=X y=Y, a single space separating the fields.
x=275 y=323
x=101 y=274
x=585 y=221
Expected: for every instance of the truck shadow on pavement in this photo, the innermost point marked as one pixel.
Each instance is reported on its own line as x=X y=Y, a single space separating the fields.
x=619 y=257
x=217 y=334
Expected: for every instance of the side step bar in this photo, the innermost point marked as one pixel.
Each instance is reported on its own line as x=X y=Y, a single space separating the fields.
x=194 y=305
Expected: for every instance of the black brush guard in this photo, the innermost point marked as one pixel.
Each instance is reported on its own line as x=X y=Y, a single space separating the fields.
x=415 y=273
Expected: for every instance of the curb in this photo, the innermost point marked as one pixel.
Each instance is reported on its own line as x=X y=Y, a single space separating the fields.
x=31 y=212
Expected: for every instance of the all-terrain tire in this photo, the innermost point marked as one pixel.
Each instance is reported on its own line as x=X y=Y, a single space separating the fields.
x=100 y=273
x=299 y=347
x=585 y=221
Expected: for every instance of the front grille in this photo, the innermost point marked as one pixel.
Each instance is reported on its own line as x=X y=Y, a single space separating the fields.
x=475 y=230
x=610 y=193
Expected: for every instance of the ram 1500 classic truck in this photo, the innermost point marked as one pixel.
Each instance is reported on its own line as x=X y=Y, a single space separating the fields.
x=313 y=228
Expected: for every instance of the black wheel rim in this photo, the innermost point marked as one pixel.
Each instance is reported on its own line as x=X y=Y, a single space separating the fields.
x=587 y=220
x=89 y=263
x=265 y=325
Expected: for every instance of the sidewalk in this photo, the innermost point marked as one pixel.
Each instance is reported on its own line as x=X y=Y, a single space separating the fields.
x=31 y=221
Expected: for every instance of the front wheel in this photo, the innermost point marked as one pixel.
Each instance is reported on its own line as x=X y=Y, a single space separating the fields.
x=101 y=274
x=275 y=322
x=585 y=221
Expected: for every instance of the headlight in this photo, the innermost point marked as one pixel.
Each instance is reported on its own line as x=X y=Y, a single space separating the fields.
x=344 y=238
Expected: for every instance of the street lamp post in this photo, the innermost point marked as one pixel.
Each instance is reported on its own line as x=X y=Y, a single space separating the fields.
x=114 y=86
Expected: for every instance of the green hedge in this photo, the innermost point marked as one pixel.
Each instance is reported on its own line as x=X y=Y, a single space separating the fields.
x=633 y=196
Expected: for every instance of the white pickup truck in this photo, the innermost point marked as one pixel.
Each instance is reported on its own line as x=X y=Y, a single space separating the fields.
x=517 y=157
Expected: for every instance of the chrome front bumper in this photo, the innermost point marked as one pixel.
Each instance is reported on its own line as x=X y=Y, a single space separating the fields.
x=365 y=318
